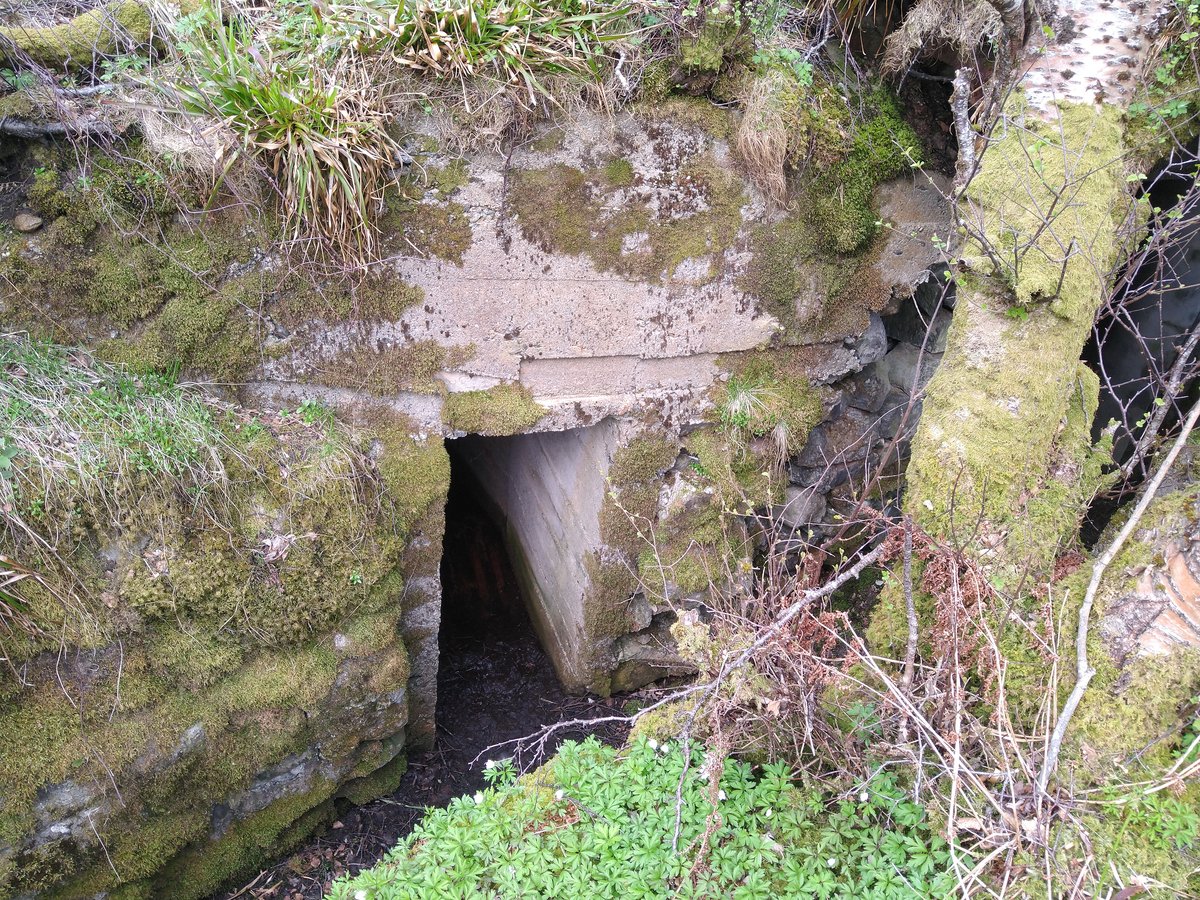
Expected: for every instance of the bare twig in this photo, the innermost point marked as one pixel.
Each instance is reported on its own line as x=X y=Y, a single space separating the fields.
x=1085 y=672
x=32 y=131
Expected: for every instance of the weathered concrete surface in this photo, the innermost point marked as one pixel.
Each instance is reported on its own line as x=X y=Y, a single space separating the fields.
x=547 y=490
x=590 y=343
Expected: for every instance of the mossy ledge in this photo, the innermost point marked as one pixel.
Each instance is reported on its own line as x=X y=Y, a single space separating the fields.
x=499 y=411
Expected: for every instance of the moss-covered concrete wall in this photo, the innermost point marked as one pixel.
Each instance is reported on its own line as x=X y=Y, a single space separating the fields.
x=206 y=670
x=614 y=270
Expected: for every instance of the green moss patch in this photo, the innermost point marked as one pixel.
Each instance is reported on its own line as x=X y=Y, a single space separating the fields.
x=768 y=395
x=389 y=370
x=379 y=296
x=1050 y=200
x=105 y=31
x=808 y=267
x=501 y=410
x=1004 y=437
x=430 y=228
x=600 y=214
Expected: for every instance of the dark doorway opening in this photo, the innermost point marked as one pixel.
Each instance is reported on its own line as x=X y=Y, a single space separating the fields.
x=495 y=682
x=481 y=597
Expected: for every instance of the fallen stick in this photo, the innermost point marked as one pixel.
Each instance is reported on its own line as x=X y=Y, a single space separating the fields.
x=1085 y=672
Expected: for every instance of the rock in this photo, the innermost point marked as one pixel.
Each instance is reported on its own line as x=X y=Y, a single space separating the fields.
x=26 y=222
x=873 y=343
x=68 y=810
x=816 y=452
x=640 y=613
x=924 y=313
x=645 y=658
x=852 y=436
x=868 y=390
x=901 y=363
x=832 y=362
x=1158 y=610
x=802 y=508
x=293 y=775
x=821 y=478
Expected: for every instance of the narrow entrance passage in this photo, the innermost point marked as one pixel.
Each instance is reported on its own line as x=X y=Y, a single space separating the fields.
x=495 y=682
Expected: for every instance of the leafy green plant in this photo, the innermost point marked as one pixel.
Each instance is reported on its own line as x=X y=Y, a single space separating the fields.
x=785 y=58
x=600 y=822
x=1165 y=822
x=315 y=412
x=124 y=66
x=17 y=81
x=1170 y=91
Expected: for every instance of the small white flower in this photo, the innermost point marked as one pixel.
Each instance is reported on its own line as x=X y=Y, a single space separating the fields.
x=478 y=797
x=862 y=798
x=559 y=794
x=665 y=748
x=490 y=764
x=831 y=862
x=360 y=895
x=720 y=795
x=652 y=744
x=767 y=814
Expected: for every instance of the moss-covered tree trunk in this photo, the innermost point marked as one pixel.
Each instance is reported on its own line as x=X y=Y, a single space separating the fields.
x=1002 y=463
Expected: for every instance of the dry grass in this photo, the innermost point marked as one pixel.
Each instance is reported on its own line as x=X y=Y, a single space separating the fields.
x=321 y=130
x=958 y=27
x=763 y=134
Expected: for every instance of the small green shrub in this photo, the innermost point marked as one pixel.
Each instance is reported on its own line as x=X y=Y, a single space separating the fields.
x=760 y=401
x=599 y=822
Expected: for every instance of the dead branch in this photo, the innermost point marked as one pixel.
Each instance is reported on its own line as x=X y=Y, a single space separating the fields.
x=1085 y=672
x=1012 y=15
x=729 y=665
x=960 y=104
x=1175 y=383
x=33 y=131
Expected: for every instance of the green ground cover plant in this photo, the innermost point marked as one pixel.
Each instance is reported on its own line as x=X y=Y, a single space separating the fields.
x=601 y=822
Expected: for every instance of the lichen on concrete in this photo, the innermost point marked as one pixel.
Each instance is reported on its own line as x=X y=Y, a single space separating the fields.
x=623 y=225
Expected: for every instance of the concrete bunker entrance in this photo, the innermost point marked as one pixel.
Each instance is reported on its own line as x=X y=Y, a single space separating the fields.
x=522 y=525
